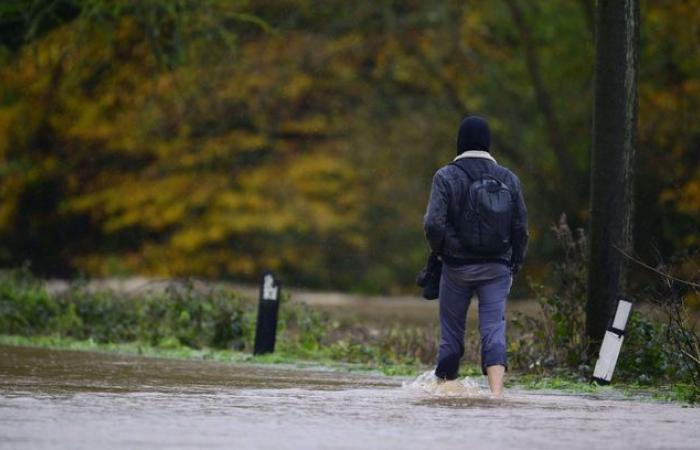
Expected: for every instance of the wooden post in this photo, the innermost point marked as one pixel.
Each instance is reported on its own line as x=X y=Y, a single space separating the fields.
x=612 y=161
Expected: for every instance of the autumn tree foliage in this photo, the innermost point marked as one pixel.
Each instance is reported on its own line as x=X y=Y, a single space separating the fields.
x=217 y=138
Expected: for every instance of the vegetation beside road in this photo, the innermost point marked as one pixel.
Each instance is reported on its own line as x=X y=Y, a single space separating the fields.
x=192 y=322
x=201 y=319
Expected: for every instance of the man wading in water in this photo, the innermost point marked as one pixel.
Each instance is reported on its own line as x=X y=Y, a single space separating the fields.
x=476 y=223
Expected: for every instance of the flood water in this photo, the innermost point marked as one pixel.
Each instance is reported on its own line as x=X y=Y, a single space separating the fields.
x=80 y=400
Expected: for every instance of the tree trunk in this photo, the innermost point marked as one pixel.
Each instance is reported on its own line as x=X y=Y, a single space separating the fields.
x=612 y=165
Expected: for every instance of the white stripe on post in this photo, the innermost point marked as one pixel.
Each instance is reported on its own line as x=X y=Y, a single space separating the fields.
x=609 y=351
x=612 y=343
x=622 y=314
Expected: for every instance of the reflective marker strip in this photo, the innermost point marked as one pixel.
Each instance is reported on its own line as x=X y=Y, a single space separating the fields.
x=621 y=315
x=609 y=351
x=612 y=343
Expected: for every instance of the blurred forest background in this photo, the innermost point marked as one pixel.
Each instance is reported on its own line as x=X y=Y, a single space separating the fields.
x=217 y=138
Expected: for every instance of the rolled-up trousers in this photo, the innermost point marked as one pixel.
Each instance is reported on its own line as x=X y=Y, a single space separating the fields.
x=491 y=282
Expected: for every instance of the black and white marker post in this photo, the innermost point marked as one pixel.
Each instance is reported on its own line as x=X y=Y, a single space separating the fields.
x=266 y=328
x=612 y=343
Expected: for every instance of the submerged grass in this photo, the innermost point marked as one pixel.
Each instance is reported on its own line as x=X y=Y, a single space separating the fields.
x=680 y=393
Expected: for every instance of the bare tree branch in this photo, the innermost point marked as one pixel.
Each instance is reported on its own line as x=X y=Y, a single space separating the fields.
x=657 y=271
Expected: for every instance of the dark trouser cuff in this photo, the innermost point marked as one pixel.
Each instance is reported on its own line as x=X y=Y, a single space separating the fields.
x=494 y=356
x=448 y=367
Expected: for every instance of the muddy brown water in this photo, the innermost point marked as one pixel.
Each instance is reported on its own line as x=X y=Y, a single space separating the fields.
x=84 y=400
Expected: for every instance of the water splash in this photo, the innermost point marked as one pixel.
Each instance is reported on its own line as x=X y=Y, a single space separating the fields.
x=466 y=387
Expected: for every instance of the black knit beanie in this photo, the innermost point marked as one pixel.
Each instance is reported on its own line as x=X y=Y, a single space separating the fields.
x=474 y=134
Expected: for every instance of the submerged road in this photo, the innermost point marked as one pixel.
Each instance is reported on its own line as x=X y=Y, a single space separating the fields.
x=81 y=400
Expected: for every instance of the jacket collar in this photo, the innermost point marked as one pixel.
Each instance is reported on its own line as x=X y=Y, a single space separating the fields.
x=476 y=154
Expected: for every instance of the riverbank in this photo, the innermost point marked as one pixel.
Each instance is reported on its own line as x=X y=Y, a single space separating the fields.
x=194 y=320
x=559 y=384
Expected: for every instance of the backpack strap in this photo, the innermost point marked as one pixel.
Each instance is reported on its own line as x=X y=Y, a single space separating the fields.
x=460 y=168
x=471 y=177
x=470 y=180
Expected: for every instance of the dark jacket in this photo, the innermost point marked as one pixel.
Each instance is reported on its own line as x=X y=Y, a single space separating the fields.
x=448 y=192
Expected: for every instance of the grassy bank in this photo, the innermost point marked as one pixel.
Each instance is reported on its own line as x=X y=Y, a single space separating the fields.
x=188 y=319
x=200 y=322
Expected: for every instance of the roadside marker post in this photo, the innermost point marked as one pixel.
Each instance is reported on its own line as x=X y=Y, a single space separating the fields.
x=268 y=307
x=612 y=343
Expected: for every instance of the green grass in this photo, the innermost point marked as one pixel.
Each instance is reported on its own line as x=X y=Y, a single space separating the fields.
x=558 y=383
x=679 y=392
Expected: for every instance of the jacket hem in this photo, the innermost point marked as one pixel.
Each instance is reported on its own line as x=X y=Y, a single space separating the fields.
x=455 y=261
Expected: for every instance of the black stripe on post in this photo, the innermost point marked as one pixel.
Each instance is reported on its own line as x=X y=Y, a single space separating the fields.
x=268 y=307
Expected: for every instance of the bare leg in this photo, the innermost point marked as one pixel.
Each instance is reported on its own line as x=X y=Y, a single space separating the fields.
x=495 y=375
x=492 y=328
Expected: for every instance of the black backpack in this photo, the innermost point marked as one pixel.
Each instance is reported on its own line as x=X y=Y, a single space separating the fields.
x=483 y=223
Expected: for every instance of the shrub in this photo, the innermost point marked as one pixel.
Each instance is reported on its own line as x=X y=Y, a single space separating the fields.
x=556 y=337
x=184 y=315
x=25 y=306
x=646 y=355
x=301 y=328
